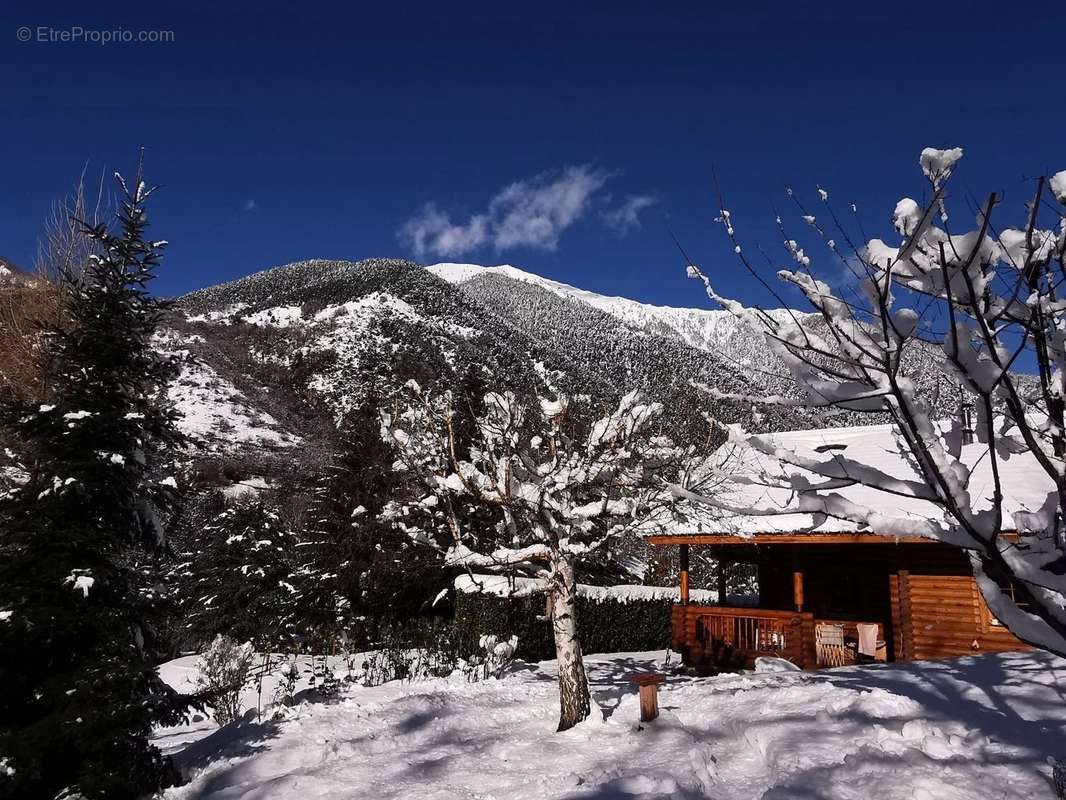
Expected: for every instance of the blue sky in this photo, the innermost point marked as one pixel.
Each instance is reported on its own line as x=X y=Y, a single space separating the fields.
x=566 y=142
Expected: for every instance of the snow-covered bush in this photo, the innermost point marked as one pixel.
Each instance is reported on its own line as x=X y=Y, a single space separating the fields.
x=414 y=651
x=322 y=678
x=289 y=676
x=224 y=668
x=492 y=660
x=419 y=651
x=402 y=664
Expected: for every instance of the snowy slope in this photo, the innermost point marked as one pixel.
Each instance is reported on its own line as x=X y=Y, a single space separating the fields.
x=737 y=359
x=277 y=357
x=703 y=329
x=977 y=727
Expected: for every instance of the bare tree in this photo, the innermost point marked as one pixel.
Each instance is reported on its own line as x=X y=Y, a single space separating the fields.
x=30 y=303
x=997 y=295
x=558 y=484
x=64 y=249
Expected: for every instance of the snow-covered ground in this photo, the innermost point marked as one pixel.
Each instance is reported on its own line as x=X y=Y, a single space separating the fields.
x=978 y=727
x=182 y=674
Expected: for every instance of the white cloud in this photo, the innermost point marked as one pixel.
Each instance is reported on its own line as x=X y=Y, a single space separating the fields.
x=535 y=213
x=531 y=213
x=432 y=231
x=250 y=205
x=626 y=217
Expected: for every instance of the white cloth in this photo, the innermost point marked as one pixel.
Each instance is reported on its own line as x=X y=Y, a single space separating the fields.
x=867 y=638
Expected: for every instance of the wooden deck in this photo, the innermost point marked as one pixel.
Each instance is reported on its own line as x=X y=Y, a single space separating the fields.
x=732 y=638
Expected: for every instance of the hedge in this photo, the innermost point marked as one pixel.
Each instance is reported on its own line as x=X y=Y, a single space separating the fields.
x=605 y=625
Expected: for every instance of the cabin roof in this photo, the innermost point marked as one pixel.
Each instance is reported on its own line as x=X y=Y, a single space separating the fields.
x=1025 y=487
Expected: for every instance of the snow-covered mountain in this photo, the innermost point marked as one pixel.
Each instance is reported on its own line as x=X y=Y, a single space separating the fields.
x=703 y=329
x=275 y=359
x=712 y=331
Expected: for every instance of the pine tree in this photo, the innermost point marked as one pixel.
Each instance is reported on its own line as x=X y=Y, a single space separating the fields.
x=241 y=579
x=361 y=572
x=81 y=693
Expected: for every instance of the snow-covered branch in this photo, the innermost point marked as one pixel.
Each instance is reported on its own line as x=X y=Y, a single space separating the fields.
x=997 y=296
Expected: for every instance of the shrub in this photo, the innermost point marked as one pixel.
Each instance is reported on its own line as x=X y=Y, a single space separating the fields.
x=425 y=649
x=493 y=660
x=288 y=676
x=224 y=668
x=416 y=650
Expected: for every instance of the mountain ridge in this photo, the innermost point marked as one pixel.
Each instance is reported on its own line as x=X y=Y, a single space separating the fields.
x=312 y=328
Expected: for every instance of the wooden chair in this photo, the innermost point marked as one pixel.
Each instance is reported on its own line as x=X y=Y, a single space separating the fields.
x=830 y=647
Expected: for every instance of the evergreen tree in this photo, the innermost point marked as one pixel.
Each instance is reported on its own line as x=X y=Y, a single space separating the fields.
x=361 y=572
x=80 y=690
x=255 y=573
x=241 y=581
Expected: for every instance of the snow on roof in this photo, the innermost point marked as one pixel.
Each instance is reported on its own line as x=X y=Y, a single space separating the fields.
x=1025 y=484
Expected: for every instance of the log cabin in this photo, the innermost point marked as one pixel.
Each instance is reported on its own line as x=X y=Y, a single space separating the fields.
x=831 y=593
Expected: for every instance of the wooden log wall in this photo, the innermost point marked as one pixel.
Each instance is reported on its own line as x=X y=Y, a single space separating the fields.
x=942 y=616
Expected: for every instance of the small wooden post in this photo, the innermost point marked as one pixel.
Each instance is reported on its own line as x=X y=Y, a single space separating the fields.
x=649 y=694
x=722 y=587
x=797 y=590
x=683 y=559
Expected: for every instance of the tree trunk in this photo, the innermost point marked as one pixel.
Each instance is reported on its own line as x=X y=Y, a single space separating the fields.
x=574 y=703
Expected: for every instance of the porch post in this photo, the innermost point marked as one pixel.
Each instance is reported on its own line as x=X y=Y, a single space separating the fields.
x=683 y=559
x=721 y=583
x=797 y=590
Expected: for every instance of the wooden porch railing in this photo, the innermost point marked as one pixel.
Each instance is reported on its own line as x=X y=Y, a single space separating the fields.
x=732 y=638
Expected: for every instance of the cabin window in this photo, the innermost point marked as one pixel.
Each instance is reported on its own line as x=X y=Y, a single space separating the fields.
x=1010 y=588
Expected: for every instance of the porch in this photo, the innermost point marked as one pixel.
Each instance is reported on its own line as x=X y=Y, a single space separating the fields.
x=815 y=610
x=732 y=638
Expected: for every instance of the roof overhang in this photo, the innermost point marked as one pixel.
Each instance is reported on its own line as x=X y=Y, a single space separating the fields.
x=733 y=539
x=784 y=538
